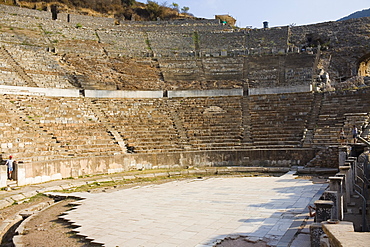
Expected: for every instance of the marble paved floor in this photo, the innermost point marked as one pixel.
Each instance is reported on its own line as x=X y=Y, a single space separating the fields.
x=195 y=212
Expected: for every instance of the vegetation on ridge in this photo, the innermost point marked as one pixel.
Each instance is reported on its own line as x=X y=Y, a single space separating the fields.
x=123 y=9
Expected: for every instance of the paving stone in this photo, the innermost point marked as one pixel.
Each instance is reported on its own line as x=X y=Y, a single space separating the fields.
x=29 y=194
x=302 y=240
x=17 y=197
x=5 y=203
x=204 y=211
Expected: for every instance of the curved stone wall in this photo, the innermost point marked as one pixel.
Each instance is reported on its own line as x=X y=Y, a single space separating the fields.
x=273 y=120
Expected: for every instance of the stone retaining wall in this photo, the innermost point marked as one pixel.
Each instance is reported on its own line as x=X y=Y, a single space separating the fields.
x=343 y=234
x=38 y=172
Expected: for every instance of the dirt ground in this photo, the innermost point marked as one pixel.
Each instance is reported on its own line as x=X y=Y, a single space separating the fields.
x=46 y=230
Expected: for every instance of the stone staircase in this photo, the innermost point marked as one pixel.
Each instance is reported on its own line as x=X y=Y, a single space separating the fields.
x=21 y=136
x=145 y=125
x=58 y=128
x=247 y=135
x=184 y=139
x=312 y=119
x=340 y=110
x=109 y=128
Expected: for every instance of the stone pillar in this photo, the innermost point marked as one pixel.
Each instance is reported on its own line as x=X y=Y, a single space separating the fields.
x=332 y=196
x=346 y=170
x=353 y=161
x=315 y=233
x=351 y=179
x=335 y=184
x=21 y=174
x=3 y=175
x=324 y=240
x=342 y=155
x=323 y=213
x=343 y=190
x=323 y=210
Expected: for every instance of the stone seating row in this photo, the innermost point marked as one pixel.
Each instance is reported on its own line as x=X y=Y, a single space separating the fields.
x=62 y=126
x=143 y=124
x=36 y=63
x=279 y=119
x=166 y=44
x=207 y=124
x=70 y=127
x=11 y=78
x=341 y=110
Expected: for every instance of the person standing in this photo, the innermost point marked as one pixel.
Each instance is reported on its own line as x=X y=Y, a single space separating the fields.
x=342 y=136
x=9 y=163
x=354 y=133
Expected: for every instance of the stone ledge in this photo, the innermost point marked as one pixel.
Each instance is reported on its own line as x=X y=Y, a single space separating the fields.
x=343 y=235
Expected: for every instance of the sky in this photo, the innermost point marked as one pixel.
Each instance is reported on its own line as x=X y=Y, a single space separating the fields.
x=276 y=12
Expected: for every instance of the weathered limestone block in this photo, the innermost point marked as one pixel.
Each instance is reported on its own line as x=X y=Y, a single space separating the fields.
x=323 y=210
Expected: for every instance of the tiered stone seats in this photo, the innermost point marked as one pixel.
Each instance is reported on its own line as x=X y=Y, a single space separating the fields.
x=59 y=31
x=39 y=66
x=211 y=123
x=124 y=43
x=334 y=115
x=192 y=69
x=265 y=41
x=223 y=68
x=279 y=120
x=181 y=69
x=360 y=120
x=69 y=122
x=8 y=76
x=144 y=124
x=24 y=12
x=173 y=44
x=18 y=29
x=22 y=138
x=216 y=43
x=180 y=26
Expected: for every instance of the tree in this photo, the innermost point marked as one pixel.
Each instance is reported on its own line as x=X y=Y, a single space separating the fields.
x=175 y=6
x=154 y=10
x=185 y=9
x=128 y=2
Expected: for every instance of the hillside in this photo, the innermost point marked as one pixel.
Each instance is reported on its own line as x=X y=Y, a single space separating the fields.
x=358 y=14
x=120 y=9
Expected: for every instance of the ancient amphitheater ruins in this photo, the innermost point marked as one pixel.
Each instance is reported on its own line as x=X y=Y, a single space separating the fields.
x=82 y=96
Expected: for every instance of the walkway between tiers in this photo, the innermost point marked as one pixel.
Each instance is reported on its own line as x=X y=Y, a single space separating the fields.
x=197 y=212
